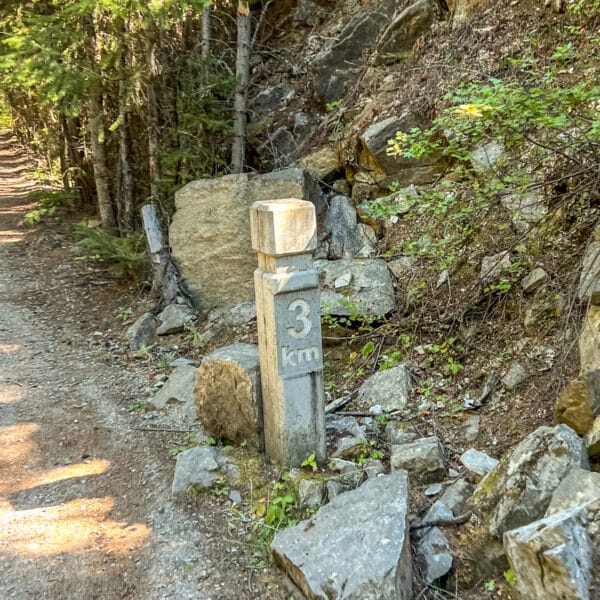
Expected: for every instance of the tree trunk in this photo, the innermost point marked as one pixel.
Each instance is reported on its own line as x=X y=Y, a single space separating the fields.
x=101 y=172
x=153 y=140
x=167 y=284
x=206 y=30
x=242 y=73
x=126 y=195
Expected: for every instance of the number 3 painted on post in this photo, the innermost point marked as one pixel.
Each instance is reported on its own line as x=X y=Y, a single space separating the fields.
x=302 y=310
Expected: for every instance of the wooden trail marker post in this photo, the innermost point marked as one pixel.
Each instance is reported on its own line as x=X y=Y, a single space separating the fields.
x=284 y=234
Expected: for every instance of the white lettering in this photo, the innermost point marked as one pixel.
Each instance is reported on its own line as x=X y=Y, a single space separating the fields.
x=308 y=354
x=288 y=357
x=293 y=358
x=302 y=309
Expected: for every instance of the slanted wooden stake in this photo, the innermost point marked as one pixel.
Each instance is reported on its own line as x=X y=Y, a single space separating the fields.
x=289 y=330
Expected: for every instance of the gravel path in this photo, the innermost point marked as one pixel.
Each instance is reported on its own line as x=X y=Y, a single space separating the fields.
x=85 y=504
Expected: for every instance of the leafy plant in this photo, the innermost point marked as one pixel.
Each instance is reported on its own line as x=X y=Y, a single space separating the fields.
x=49 y=202
x=309 y=462
x=125 y=255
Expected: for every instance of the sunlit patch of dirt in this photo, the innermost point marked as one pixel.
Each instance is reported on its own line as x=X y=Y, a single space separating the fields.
x=75 y=526
x=10 y=393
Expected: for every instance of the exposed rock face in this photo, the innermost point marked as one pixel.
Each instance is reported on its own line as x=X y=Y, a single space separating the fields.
x=404 y=30
x=589 y=341
x=526 y=211
x=423 y=459
x=228 y=396
x=322 y=163
x=227 y=317
x=347 y=237
x=478 y=462
x=272 y=99
x=574 y=407
x=361 y=285
x=552 y=558
x=589 y=281
x=389 y=389
x=518 y=491
x=325 y=556
x=493 y=267
x=210 y=232
x=536 y=279
x=340 y=58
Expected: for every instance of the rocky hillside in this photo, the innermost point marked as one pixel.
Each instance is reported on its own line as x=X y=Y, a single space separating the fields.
x=455 y=147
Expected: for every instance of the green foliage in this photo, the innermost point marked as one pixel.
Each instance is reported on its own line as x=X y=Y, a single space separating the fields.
x=48 y=204
x=309 y=462
x=125 y=255
x=355 y=319
x=331 y=106
x=510 y=576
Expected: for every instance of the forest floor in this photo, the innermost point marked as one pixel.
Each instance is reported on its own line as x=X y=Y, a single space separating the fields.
x=85 y=504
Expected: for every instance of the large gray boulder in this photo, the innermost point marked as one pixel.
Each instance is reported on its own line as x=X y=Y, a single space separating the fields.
x=552 y=557
x=577 y=488
x=389 y=389
x=356 y=286
x=519 y=490
x=355 y=548
x=210 y=232
x=228 y=395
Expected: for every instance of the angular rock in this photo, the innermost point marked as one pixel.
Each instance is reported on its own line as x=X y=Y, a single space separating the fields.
x=325 y=556
x=339 y=59
x=323 y=163
x=350 y=472
x=201 y=466
x=374 y=468
x=347 y=238
x=526 y=211
x=308 y=13
x=436 y=554
x=515 y=376
x=589 y=341
x=174 y=318
x=335 y=488
x=400 y=267
x=344 y=435
x=535 y=280
x=398 y=39
x=272 y=99
x=552 y=557
x=280 y=149
x=486 y=155
x=395 y=433
x=423 y=459
x=434 y=489
x=518 y=491
x=210 y=231
x=577 y=488
x=227 y=317
x=493 y=267
x=373 y=155
x=370 y=293
x=390 y=389
x=142 y=332
x=575 y=407
x=589 y=281
x=311 y=493
x=478 y=462
x=592 y=438
x=180 y=388
x=472 y=428
x=228 y=395
x=457 y=495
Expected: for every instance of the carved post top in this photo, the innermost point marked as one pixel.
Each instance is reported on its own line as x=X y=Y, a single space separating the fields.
x=283 y=227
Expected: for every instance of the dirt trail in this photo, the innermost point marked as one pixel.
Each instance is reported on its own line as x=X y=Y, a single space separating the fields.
x=85 y=504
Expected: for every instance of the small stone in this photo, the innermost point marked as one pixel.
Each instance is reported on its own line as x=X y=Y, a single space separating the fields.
x=390 y=388
x=443 y=278
x=182 y=362
x=472 y=428
x=436 y=554
x=343 y=281
x=174 y=318
x=196 y=466
x=515 y=376
x=453 y=473
x=423 y=459
x=478 y=462
x=335 y=488
x=400 y=267
x=373 y=468
x=351 y=474
x=493 y=267
x=534 y=280
x=434 y=490
x=180 y=388
x=438 y=511
x=235 y=497
x=142 y=332
x=486 y=154
x=396 y=434
x=310 y=493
